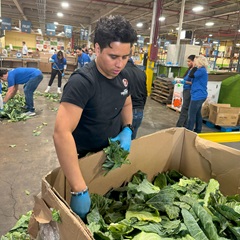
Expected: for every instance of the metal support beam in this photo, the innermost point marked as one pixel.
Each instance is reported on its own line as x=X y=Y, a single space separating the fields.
x=20 y=9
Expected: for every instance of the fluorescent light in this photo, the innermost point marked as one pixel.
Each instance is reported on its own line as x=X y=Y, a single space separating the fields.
x=162 y=18
x=65 y=4
x=59 y=14
x=210 y=35
x=239 y=30
x=209 y=24
x=139 y=24
x=197 y=9
x=237 y=44
x=55 y=23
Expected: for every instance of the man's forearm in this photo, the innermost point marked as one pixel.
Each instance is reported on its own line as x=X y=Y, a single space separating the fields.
x=126 y=114
x=67 y=156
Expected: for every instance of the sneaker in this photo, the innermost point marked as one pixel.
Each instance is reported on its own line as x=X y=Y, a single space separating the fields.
x=29 y=114
x=47 y=90
x=59 y=91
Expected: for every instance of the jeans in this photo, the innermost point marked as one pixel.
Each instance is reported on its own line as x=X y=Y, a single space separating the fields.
x=137 y=120
x=195 y=116
x=182 y=121
x=29 y=89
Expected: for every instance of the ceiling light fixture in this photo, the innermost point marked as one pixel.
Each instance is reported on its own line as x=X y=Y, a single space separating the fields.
x=210 y=35
x=239 y=30
x=197 y=9
x=139 y=24
x=55 y=23
x=162 y=18
x=59 y=14
x=65 y=4
x=209 y=24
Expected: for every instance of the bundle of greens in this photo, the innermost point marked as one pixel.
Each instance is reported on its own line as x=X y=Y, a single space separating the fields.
x=13 y=109
x=115 y=157
x=171 y=207
x=19 y=231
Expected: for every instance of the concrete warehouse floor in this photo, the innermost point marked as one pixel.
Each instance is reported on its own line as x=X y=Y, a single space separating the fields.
x=23 y=166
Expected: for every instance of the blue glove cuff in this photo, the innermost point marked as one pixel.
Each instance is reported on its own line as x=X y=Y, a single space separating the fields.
x=80 y=193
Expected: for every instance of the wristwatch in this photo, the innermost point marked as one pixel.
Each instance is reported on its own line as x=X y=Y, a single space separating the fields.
x=129 y=126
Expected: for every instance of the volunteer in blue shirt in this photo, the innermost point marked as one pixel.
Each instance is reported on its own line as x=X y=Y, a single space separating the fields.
x=83 y=58
x=199 y=93
x=183 y=117
x=59 y=64
x=30 y=77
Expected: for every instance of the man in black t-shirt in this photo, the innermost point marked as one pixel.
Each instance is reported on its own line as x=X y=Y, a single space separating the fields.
x=95 y=106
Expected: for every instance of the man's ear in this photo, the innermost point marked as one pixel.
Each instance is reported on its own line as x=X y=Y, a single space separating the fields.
x=97 y=49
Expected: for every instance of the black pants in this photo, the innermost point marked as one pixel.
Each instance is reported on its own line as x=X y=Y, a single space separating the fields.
x=53 y=75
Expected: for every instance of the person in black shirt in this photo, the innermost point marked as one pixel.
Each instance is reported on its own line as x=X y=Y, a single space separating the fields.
x=95 y=106
x=138 y=93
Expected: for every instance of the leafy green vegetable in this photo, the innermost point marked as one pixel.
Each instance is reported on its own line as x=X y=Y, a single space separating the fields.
x=172 y=206
x=115 y=157
x=192 y=226
x=19 y=231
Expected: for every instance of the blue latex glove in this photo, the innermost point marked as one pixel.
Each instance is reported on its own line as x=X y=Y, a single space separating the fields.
x=51 y=60
x=81 y=204
x=63 y=74
x=125 y=138
x=174 y=81
x=182 y=81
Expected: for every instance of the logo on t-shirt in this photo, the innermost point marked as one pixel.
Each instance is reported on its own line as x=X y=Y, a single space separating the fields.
x=125 y=82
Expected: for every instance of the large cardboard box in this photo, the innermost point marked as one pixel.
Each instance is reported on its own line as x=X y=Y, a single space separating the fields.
x=223 y=114
x=174 y=148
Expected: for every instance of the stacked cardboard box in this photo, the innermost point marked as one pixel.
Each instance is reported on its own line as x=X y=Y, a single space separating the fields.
x=174 y=148
x=44 y=64
x=223 y=114
x=71 y=62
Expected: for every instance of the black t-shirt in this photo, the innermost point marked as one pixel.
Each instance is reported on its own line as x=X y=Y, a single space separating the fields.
x=137 y=79
x=102 y=100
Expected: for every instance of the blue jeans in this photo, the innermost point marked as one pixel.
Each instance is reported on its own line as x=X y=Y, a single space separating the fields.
x=29 y=88
x=195 y=116
x=137 y=120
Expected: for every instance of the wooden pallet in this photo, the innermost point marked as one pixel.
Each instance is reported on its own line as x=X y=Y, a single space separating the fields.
x=170 y=106
x=221 y=128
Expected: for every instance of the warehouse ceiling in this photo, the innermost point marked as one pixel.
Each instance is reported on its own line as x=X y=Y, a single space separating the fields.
x=84 y=13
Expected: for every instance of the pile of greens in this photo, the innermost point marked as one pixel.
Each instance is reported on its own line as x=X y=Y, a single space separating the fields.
x=13 y=109
x=171 y=207
x=19 y=231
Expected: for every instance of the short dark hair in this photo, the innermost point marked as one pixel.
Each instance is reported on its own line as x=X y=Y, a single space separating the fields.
x=191 y=57
x=3 y=72
x=114 y=29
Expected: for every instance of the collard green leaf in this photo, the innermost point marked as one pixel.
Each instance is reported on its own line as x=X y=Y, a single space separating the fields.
x=192 y=226
x=212 y=187
x=152 y=216
x=206 y=221
x=115 y=157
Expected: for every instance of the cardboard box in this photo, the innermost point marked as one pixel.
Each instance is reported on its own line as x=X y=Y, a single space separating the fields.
x=223 y=114
x=71 y=59
x=45 y=67
x=174 y=148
